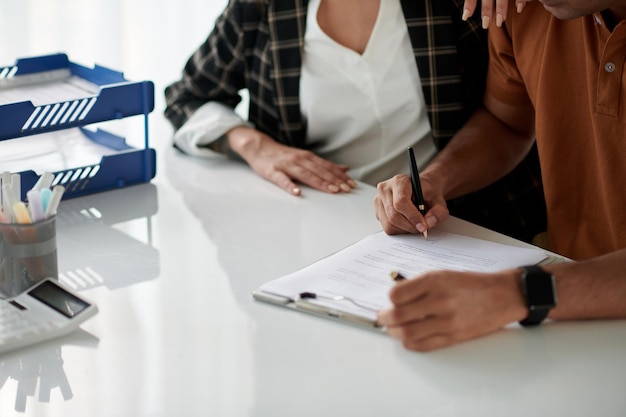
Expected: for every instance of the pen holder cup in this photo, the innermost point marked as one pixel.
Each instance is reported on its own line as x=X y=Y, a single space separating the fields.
x=28 y=254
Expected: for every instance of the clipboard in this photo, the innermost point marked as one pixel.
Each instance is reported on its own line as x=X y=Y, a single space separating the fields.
x=305 y=306
x=352 y=285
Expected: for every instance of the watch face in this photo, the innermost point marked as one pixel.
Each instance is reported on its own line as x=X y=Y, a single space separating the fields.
x=540 y=291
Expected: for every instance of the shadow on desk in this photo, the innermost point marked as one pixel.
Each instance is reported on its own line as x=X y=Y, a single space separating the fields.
x=515 y=362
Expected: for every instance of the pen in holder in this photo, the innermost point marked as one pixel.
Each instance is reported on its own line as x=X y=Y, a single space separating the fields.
x=28 y=254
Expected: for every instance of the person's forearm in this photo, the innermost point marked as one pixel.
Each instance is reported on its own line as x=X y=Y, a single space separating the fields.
x=484 y=150
x=591 y=289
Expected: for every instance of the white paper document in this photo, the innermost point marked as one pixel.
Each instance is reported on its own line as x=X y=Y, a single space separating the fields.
x=356 y=279
x=46 y=87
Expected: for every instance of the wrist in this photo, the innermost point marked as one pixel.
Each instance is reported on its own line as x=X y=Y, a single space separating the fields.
x=435 y=183
x=442 y=178
x=517 y=304
x=243 y=140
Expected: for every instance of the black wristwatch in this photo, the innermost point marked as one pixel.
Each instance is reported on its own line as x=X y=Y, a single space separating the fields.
x=540 y=294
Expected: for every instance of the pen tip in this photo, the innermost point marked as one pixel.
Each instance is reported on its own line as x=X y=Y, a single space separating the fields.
x=426 y=234
x=396 y=276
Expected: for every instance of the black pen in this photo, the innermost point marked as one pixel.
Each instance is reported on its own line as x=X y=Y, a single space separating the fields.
x=418 y=196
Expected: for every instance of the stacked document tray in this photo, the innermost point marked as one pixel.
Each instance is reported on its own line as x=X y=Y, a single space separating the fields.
x=46 y=105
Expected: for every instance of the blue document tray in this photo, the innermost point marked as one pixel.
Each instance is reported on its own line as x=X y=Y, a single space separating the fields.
x=45 y=99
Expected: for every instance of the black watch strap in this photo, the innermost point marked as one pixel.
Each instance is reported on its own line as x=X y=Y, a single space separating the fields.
x=535 y=316
x=539 y=292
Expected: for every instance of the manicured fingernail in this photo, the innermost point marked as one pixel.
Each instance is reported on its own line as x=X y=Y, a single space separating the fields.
x=352 y=183
x=420 y=227
x=520 y=6
x=486 y=20
x=499 y=20
x=333 y=188
x=345 y=187
x=466 y=14
x=295 y=191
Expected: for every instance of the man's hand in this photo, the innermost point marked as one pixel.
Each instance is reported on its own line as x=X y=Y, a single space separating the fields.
x=487 y=10
x=395 y=209
x=442 y=308
x=284 y=165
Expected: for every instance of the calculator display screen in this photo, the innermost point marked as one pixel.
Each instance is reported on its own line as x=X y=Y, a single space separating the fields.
x=58 y=299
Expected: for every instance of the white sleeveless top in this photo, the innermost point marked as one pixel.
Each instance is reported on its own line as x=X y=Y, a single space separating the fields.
x=365 y=110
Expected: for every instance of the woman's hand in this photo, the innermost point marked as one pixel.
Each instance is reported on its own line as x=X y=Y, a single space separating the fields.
x=491 y=10
x=285 y=165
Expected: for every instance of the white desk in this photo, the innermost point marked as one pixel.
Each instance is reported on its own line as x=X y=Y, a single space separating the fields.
x=171 y=265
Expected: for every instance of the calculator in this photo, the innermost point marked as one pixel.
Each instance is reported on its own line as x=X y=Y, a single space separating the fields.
x=45 y=311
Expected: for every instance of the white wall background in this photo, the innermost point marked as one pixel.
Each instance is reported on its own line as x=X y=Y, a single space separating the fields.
x=147 y=39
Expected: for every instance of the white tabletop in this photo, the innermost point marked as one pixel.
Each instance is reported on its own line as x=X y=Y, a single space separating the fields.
x=171 y=265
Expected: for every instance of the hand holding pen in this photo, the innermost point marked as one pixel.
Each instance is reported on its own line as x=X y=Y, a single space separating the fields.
x=399 y=212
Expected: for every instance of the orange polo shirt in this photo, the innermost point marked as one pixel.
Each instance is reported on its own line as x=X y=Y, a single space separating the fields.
x=574 y=73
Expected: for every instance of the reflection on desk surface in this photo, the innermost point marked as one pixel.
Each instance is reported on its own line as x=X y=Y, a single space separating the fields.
x=39 y=367
x=87 y=229
x=248 y=218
